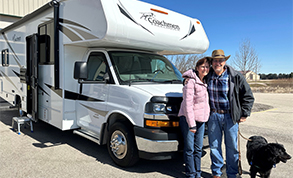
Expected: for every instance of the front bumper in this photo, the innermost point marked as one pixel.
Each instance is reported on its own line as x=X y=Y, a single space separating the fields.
x=156 y=144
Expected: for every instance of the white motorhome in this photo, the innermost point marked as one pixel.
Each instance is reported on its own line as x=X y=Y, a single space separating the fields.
x=95 y=67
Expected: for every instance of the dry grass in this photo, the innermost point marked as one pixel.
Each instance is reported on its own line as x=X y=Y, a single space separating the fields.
x=272 y=86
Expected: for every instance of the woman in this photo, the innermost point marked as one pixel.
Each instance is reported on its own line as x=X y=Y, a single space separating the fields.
x=194 y=112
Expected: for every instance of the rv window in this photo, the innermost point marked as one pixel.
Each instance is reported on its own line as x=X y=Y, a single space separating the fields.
x=46 y=32
x=138 y=67
x=96 y=67
x=5 y=57
x=44 y=49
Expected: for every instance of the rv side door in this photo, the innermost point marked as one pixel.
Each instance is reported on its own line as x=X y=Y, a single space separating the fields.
x=32 y=74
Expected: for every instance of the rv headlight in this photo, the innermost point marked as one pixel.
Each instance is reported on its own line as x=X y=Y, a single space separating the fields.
x=159 y=107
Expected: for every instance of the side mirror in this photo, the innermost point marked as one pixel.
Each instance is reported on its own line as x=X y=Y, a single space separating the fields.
x=106 y=77
x=80 y=70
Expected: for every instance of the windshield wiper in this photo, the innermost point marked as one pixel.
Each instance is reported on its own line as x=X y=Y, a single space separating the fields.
x=173 y=81
x=139 y=80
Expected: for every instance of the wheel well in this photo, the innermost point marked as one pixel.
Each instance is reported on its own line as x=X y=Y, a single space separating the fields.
x=113 y=118
x=17 y=100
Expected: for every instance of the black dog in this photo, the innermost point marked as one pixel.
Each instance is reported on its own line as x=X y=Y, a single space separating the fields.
x=262 y=156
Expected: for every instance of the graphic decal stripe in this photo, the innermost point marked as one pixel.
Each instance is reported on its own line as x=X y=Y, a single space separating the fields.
x=10 y=81
x=43 y=90
x=76 y=96
x=70 y=34
x=127 y=14
x=102 y=113
x=58 y=91
x=73 y=23
x=73 y=96
x=18 y=75
x=84 y=34
x=67 y=25
x=191 y=31
x=65 y=21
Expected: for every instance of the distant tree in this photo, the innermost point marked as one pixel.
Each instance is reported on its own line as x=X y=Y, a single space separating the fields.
x=263 y=76
x=246 y=58
x=283 y=76
x=276 y=76
x=185 y=62
x=272 y=76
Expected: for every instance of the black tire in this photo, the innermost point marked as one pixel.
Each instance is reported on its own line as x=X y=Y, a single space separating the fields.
x=18 y=105
x=19 y=108
x=122 y=146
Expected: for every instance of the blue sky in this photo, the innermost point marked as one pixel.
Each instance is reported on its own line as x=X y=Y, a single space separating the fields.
x=268 y=24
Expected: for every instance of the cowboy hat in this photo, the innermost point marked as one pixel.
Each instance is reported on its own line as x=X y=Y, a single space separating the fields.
x=218 y=53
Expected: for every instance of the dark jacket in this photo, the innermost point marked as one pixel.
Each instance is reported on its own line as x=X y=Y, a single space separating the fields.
x=240 y=95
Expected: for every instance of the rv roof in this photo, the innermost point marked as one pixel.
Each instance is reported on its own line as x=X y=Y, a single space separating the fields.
x=125 y=24
x=154 y=28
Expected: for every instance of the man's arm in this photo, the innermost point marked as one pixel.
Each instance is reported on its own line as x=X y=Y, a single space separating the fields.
x=246 y=99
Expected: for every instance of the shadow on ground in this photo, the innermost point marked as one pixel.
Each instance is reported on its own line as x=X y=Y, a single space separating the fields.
x=49 y=136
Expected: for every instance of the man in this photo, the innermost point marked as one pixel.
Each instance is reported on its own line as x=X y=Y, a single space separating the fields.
x=231 y=102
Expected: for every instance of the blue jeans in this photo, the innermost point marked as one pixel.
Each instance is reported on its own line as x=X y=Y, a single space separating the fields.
x=193 y=143
x=217 y=125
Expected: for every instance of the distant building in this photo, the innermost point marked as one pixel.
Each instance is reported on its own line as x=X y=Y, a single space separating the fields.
x=250 y=76
x=13 y=10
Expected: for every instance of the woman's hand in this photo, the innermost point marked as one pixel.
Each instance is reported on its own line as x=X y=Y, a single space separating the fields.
x=192 y=130
x=186 y=81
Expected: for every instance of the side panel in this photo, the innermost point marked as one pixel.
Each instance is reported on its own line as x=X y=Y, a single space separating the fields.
x=12 y=47
x=51 y=97
x=14 y=40
x=50 y=100
x=71 y=86
x=82 y=29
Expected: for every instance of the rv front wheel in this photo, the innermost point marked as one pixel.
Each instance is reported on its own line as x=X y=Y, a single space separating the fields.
x=121 y=145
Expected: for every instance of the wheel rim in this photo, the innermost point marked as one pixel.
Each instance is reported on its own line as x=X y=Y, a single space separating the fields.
x=118 y=144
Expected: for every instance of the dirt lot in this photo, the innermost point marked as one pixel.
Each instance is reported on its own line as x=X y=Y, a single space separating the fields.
x=272 y=86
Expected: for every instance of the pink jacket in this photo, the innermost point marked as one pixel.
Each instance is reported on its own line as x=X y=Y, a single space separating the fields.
x=195 y=103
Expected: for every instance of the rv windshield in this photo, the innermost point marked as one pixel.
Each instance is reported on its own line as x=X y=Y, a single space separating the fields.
x=133 y=67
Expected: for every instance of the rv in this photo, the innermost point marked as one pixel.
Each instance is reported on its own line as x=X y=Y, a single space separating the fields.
x=97 y=67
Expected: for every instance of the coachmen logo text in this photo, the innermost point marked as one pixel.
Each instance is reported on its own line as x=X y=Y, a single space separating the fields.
x=151 y=18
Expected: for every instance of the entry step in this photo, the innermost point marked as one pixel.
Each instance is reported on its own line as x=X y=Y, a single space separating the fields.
x=87 y=134
x=21 y=121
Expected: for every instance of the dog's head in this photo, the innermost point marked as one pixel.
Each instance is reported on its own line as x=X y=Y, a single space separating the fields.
x=278 y=153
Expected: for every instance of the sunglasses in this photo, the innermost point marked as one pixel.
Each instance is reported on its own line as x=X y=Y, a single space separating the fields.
x=219 y=60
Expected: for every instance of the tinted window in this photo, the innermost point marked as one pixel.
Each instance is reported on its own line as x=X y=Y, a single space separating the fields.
x=143 y=67
x=97 y=67
x=46 y=41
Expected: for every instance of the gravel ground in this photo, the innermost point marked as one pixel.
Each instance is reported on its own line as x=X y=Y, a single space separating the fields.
x=266 y=89
x=257 y=107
